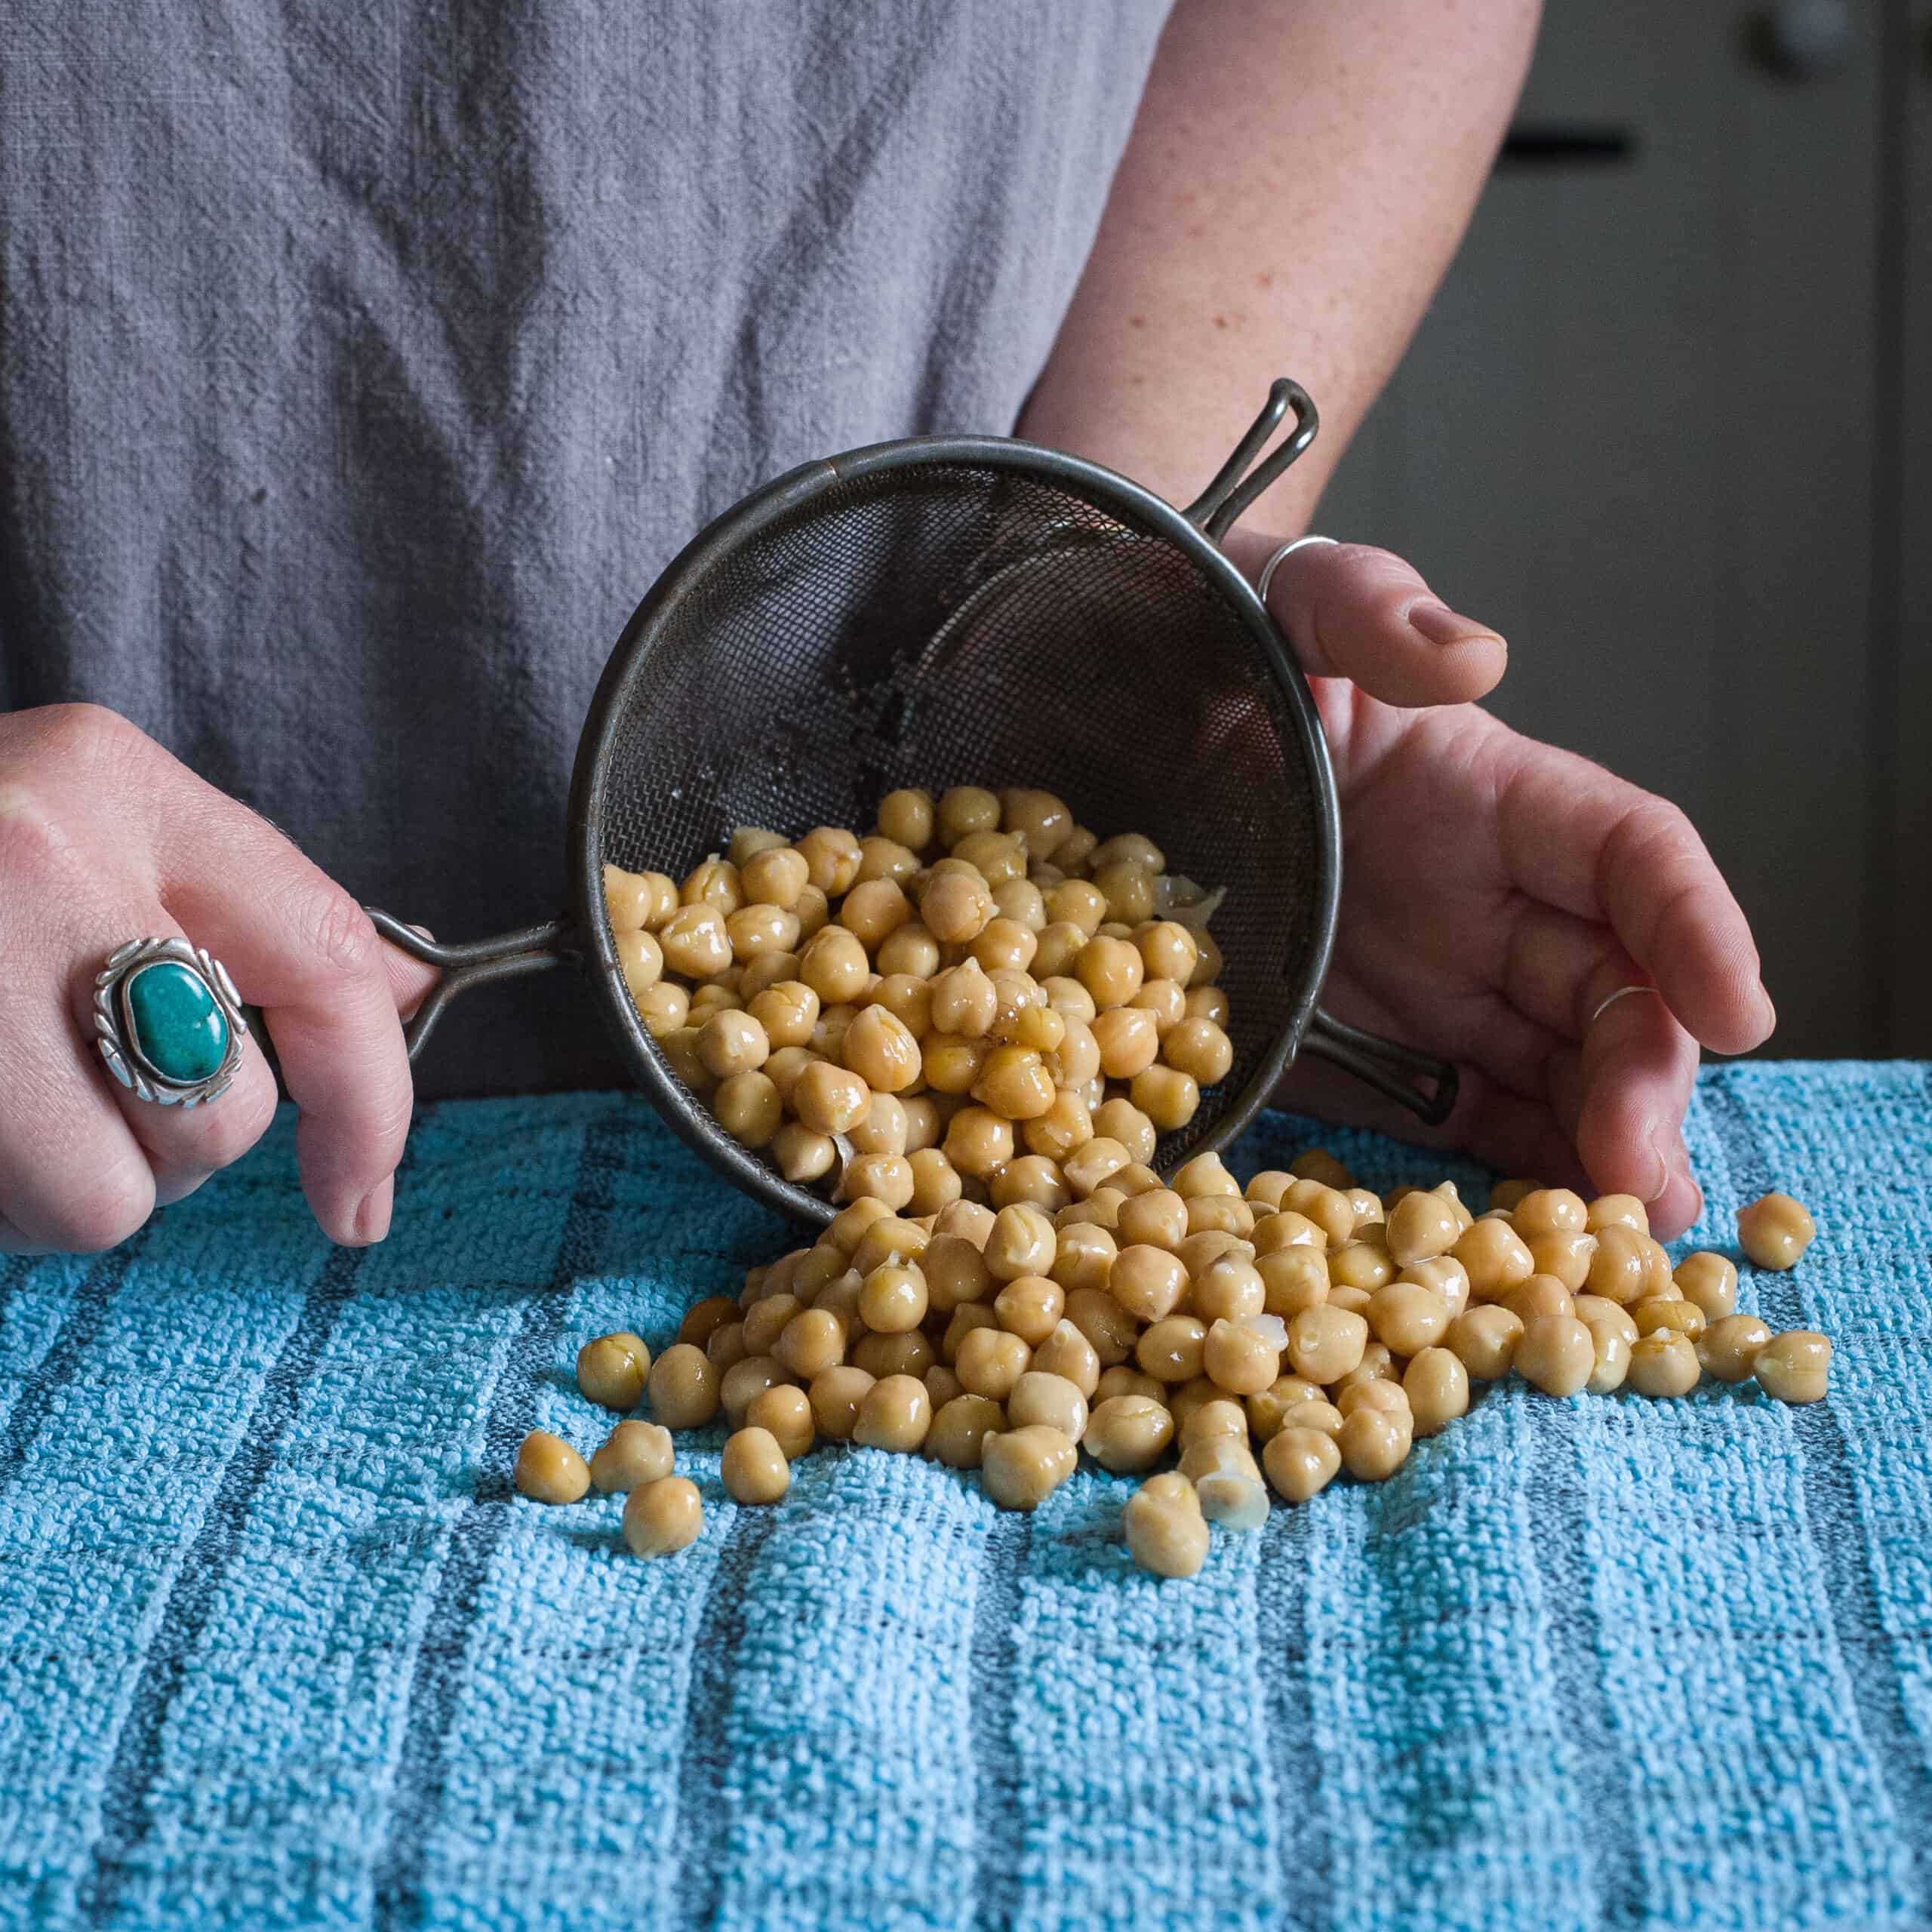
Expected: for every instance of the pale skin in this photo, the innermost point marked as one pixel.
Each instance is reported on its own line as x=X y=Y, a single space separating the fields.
x=1495 y=890
x=1299 y=175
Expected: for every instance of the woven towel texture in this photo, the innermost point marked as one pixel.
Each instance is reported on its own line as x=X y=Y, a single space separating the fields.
x=279 y=1647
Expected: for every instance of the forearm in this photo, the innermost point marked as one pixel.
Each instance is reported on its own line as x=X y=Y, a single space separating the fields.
x=1298 y=176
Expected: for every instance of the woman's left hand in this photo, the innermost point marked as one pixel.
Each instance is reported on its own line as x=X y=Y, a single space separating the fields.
x=1496 y=891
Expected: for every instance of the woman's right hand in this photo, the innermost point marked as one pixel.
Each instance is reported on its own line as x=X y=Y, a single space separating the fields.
x=104 y=837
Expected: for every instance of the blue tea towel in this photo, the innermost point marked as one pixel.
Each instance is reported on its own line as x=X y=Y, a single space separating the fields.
x=279 y=1648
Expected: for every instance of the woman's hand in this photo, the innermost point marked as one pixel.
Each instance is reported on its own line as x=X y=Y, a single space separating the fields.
x=1496 y=891
x=104 y=837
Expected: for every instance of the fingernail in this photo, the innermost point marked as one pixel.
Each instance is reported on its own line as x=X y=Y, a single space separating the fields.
x=1442 y=625
x=372 y=1212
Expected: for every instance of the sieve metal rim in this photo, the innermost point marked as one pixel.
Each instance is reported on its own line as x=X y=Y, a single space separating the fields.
x=1119 y=495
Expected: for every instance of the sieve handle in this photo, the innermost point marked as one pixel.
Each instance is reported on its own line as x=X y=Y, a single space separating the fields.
x=1219 y=507
x=474 y=963
x=1388 y=1068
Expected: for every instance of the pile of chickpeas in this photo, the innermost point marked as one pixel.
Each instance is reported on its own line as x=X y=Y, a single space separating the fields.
x=1265 y=1337
x=979 y=1000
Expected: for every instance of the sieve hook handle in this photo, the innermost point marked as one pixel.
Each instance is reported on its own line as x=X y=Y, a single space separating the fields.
x=1220 y=507
x=1388 y=1068
x=476 y=962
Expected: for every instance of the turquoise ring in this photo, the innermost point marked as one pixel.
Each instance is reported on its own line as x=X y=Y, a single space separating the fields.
x=168 y=1022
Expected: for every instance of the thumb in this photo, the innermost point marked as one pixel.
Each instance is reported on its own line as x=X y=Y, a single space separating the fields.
x=1353 y=611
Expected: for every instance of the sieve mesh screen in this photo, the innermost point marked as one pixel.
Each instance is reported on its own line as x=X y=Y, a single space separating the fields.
x=950 y=622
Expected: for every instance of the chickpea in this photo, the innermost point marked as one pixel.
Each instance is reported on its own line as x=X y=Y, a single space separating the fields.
x=1794 y=1367
x=828 y=1099
x=756 y=930
x=1205 y=1174
x=754 y=1468
x=1484 y=1339
x=663 y=1517
x=1078 y=903
x=1437 y=1384
x=1129 y=1434
x=1023 y=1242
x=748 y=1108
x=1022 y=903
x=895 y=1413
x=935 y=1182
x=1268 y=1411
x=1064 y=1125
x=1729 y=1346
x=1166 y=1532
x=1085 y=1255
x=812 y=1341
x=955 y=907
x=1292 y=1279
x=684 y=1387
x=1680 y=1317
x=633 y=1453
x=1039 y=818
x=695 y=942
x=1014 y=1083
x=1710 y=1282
x=1597 y=1315
x=1546 y=1211
x=549 y=1470
x=834 y=965
x=1157 y=1219
x=1031 y=1307
x=956 y=1273
x=1022 y=1467
x=1171 y=1350
x=1557 y=1353
x=1200 y=1049
x=1326 y=1343
x=1067 y=1353
x=702 y=1319
x=836 y=1395
x=906 y=817
x=1663 y=1363
x=610 y=1371
x=1541 y=1294
x=1207 y=1002
x=1421 y=1226
x=1060 y=946
x=881 y=858
x=1041 y=1397
x=1300 y=1463
x=775 y=877
x=1003 y=944
x=1373 y=1445
x=1208 y=972
x=1110 y=970
x=814 y=911
x=831 y=857
x=1168 y=1097
x=892 y=1301
x=725 y=1347
x=1227 y=1480
x=663 y=1008
x=715 y=883
x=1409 y=1317
x=1107 y=1328
x=978 y=1142
x=715 y=995
x=909 y=952
x=640 y=960
x=990 y=1361
x=1565 y=1253
x=1496 y=1258
x=884 y=1129
x=1774 y=1230
x=784 y=1015
x=1230 y=1289
x=1236 y=1358
x=960 y=1429
x=1147 y=1281
x=1129 y=889
x=745 y=1380
x=1121 y=1379
x=1186 y=1402
x=1331 y=1210
x=632 y=901
x=882 y=1051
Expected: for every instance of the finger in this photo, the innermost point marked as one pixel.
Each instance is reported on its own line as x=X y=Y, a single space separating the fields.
x=301 y=949
x=410 y=979
x=1354 y=611
x=1579 y=837
x=184 y=1145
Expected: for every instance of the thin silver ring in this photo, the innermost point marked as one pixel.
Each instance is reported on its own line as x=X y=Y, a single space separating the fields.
x=197 y=1065
x=1611 y=999
x=1281 y=555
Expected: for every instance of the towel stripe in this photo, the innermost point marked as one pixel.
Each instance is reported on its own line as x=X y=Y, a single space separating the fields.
x=436 y=1677
x=704 y=1761
x=81 y=1324
x=126 y=1817
x=1559 y=1507
x=999 y=1829
x=1305 y=1884
x=1844 y=1554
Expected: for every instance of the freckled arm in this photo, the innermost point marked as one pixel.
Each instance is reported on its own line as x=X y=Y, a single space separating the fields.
x=1298 y=176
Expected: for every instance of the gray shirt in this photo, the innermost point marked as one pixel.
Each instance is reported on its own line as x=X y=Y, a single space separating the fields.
x=360 y=368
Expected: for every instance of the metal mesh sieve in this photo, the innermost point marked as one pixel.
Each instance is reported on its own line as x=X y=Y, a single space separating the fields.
x=972 y=610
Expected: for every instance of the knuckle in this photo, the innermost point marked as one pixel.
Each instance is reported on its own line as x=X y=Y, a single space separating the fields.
x=86 y=735
x=100 y=1217
x=336 y=931
x=234 y=1123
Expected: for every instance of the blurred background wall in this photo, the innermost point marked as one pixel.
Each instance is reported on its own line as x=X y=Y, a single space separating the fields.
x=1669 y=425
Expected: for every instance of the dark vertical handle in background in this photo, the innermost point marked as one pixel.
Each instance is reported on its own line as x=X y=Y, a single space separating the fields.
x=475 y=963
x=1388 y=1068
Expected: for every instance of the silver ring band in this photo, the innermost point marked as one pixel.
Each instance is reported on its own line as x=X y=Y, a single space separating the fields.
x=1281 y=556
x=1611 y=999
x=168 y=1022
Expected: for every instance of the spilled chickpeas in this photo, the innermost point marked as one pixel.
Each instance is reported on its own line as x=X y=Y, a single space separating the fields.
x=1224 y=1369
